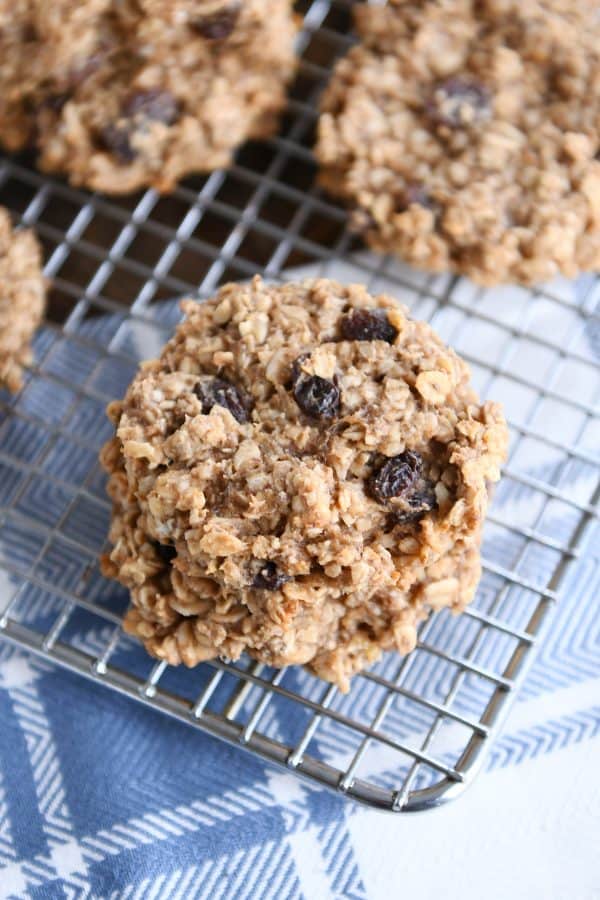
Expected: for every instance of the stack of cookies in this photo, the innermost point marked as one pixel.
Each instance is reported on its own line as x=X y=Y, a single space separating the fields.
x=303 y=476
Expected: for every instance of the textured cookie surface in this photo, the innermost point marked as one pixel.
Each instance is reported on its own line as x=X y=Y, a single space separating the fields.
x=120 y=94
x=302 y=475
x=465 y=134
x=22 y=297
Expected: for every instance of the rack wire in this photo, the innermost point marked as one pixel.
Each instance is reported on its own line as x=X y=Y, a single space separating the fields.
x=411 y=732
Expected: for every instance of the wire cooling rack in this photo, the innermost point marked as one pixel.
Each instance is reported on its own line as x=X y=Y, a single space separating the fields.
x=411 y=732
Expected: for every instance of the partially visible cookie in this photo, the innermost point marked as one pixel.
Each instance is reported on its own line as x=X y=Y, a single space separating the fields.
x=42 y=45
x=302 y=475
x=465 y=134
x=22 y=298
x=122 y=95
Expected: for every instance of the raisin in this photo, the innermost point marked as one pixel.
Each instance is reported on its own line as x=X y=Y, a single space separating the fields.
x=416 y=504
x=155 y=105
x=116 y=139
x=167 y=552
x=55 y=102
x=317 y=397
x=29 y=33
x=218 y=392
x=139 y=108
x=269 y=577
x=367 y=325
x=458 y=102
x=218 y=25
x=395 y=477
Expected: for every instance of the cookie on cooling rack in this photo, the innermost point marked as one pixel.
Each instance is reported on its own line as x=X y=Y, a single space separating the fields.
x=302 y=475
x=22 y=298
x=124 y=95
x=465 y=134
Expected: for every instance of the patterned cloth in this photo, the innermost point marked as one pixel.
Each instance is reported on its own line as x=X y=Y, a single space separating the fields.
x=103 y=798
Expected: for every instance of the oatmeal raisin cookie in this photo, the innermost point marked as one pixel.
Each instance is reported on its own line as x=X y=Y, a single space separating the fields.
x=121 y=94
x=302 y=475
x=465 y=134
x=22 y=299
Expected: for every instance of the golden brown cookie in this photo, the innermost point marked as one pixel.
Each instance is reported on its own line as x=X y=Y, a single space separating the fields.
x=465 y=135
x=122 y=95
x=302 y=475
x=22 y=299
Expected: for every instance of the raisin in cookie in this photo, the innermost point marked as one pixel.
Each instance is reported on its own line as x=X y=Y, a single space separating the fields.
x=466 y=135
x=22 y=298
x=120 y=95
x=302 y=475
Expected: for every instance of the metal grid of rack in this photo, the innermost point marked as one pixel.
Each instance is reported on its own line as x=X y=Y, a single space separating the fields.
x=411 y=732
